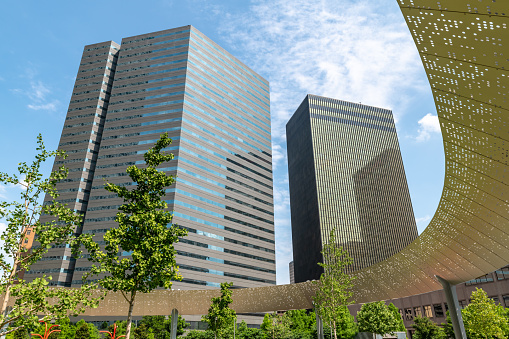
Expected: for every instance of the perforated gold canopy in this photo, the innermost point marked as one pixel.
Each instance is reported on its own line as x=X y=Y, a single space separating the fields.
x=464 y=46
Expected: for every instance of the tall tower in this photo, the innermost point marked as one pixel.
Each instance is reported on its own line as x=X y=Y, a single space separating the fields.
x=216 y=111
x=346 y=173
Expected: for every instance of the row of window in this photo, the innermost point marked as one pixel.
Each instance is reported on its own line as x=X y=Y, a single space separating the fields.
x=93 y=83
x=154 y=37
x=226 y=274
x=95 y=69
x=100 y=115
x=153 y=88
x=100 y=60
x=233 y=60
x=193 y=62
x=152 y=58
x=149 y=73
x=192 y=73
x=92 y=91
x=150 y=51
x=85 y=107
x=91 y=132
x=226 y=69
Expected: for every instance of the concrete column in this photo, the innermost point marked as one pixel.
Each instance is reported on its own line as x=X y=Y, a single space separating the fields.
x=454 y=308
x=174 y=322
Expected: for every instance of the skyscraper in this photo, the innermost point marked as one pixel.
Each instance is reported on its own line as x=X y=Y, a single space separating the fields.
x=346 y=173
x=216 y=111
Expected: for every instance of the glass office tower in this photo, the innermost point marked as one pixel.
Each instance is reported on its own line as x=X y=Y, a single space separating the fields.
x=216 y=111
x=346 y=173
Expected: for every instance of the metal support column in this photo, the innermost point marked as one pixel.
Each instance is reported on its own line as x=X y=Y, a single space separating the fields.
x=454 y=308
x=319 y=325
x=174 y=323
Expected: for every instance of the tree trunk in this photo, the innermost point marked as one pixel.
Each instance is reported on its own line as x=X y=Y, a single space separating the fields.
x=335 y=333
x=130 y=315
x=8 y=289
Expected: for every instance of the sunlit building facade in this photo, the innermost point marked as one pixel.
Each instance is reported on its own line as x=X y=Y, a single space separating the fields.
x=216 y=110
x=346 y=174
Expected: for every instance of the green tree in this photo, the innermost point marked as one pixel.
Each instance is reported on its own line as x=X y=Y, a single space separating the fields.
x=400 y=324
x=426 y=329
x=376 y=317
x=139 y=254
x=334 y=285
x=28 y=299
x=20 y=333
x=142 y=331
x=67 y=330
x=483 y=318
x=276 y=326
x=302 y=323
x=447 y=326
x=346 y=328
x=244 y=332
x=82 y=330
x=157 y=324
x=200 y=335
x=221 y=316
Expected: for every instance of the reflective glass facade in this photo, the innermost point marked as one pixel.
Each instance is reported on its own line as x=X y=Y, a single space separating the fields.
x=217 y=112
x=346 y=172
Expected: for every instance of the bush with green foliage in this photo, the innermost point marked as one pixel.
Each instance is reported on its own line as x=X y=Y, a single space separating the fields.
x=82 y=330
x=194 y=334
x=427 y=329
x=376 y=317
x=483 y=318
x=221 y=317
x=399 y=319
x=276 y=326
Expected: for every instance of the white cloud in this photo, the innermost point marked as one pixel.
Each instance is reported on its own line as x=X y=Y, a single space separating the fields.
x=357 y=52
x=428 y=125
x=38 y=91
x=38 y=94
x=281 y=200
x=278 y=155
x=422 y=223
x=51 y=106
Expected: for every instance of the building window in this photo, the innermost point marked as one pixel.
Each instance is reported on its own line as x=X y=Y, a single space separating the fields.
x=463 y=303
x=28 y=232
x=408 y=314
x=439 y=311
x=482 y=279
x=418 y=311
x=495 y=299
x=446 y=307
x=502 y=273
x=427 y=311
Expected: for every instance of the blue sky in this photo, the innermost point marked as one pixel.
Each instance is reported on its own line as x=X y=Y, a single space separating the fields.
x=359 y=51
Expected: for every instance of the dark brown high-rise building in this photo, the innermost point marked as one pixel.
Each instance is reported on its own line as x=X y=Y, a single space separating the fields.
x=346 y=173
x=217 y=112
